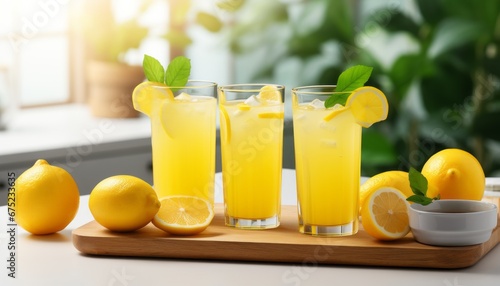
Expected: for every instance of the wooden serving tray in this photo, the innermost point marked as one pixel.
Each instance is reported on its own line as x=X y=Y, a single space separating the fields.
x=283 y=244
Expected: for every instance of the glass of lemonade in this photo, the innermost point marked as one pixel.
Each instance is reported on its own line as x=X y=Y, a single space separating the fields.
x=251 y=124
x=327 y=161
x=183 y=132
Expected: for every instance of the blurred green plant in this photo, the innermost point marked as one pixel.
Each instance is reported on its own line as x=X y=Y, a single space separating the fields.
x=453 y=74
x=106 y=38
x=439 y=67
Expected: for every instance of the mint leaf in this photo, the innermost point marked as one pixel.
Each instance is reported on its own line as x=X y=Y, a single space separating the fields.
x=178 y=71
x=153 y=70
x=339 y=98
x=353 y=77
x=418 y=183
x=349 y=80
x=419 y=200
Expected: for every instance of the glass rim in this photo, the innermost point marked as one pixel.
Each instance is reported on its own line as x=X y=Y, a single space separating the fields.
x=238 y=87
x=303 y=89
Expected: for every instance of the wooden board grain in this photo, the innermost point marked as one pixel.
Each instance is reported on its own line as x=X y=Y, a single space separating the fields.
x=284 y=244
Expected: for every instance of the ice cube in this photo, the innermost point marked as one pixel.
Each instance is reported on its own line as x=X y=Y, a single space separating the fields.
x=317 y=104
x=337 y=106
x=252 y=101
x=183 y=96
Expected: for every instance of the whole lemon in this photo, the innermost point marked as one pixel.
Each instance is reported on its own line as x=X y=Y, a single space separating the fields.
x=456 y=174
x=47 y=198
x=123 y=203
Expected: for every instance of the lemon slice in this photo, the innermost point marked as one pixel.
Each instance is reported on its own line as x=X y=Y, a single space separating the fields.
x=385 y=214
x=149 y=95
x=227 y=122
x=269 y=93
x=244 y=107
x=368 y=105
x=334 y=113
x=183 y=215
x=276 y=115
x=146 y=93
x=166 y=110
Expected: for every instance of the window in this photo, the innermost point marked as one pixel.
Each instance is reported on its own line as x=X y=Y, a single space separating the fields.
x=34 y=52
x=43 y=52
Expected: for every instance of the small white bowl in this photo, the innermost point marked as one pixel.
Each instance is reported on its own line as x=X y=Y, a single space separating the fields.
x=453 y=222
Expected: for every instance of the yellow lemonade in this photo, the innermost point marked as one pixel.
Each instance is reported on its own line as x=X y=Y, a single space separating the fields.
x=183 y=132
x=328 y=155
x=252 y=161
x=183 y=139
x=251 y=145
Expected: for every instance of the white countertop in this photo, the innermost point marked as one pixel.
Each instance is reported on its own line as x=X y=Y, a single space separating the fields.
x=53 y=260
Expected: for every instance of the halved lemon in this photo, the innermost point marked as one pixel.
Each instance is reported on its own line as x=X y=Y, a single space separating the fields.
x=385 y=214
x=394 y=179
x=269 y=93
x=275 y=115
x=225 y=118
x=146 y=93
x=183 y=215
x=368 y=105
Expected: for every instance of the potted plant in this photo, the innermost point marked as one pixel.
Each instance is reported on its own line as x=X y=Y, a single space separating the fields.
x=110 y=81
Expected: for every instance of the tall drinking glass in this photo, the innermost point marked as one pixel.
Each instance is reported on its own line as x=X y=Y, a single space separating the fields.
x=183 y=130
x=251 y=117
x=327 y=161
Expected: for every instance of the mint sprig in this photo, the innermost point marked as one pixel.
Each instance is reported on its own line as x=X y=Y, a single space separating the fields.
x=176 y=74
x=178 y=71
x=153 y=70
x=419 y=186
x=348 y=81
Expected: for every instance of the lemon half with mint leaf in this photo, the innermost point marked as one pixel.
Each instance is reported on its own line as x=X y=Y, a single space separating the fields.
x=161 y=83
x=367 y=104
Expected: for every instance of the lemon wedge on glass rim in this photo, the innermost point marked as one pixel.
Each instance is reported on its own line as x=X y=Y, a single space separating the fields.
x=368 y=105
x=146 y=93
x=146 y=98
x=269 y=93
